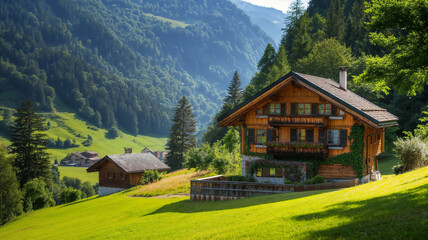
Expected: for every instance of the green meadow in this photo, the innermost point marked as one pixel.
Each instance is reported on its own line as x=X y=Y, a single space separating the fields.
x=80 y=173
x=394 y=208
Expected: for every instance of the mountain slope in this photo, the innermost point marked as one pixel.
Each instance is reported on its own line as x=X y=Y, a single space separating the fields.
x=395 y=207
x=127 y=61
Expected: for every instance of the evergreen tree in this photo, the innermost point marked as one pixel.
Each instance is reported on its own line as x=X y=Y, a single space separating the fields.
x=295 y=11
x=335 y=23
x=10 y=195
x=234 y=91
x=302 y=42
x=266 y=62
x=280 y=68
x=182 y=134
x=29 y=144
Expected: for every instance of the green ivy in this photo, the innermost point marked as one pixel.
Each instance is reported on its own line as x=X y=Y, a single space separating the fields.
x=356 y=156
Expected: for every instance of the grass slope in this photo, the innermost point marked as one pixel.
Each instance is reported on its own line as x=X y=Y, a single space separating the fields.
x=393 y=208
x=80 y=173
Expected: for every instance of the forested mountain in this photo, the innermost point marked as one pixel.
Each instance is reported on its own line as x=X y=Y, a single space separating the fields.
x=269 y=19
x=126 y=62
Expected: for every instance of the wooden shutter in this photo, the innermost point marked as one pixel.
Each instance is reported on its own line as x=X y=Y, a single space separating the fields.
x=265 y=172
x=274 y=135
x=265 y=109
x=309 y=135
x=293 y=109
x=314 y=109
x=251 y=135
x=269 y=135
x=293 y=135
x=343 y=137
x=333 y=110
x=278 y=172
x=321 y=136
x=283 y=109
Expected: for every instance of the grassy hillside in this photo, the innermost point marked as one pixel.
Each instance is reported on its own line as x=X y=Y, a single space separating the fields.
x=393 y=208
x=80 y=173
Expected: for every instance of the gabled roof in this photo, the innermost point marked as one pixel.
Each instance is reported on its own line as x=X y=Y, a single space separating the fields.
x=330 y=89
x=132 y=162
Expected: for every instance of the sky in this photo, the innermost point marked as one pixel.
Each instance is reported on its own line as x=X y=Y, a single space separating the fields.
x=281 y=5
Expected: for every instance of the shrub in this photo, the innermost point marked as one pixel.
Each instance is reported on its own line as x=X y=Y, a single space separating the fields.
x=239 y=178
x=70 y=194
x=72 y=182
x=87 y=189
x=286 y=181
x=412 y=152
x=315 y=180
x=113 y=133
x=398 y=169
x=150 y=176
x=199 y=158
x=36 y=195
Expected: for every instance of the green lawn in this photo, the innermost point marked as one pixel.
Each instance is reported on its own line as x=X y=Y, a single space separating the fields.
x=79 y=172
x=386 y=164
x=394 y=208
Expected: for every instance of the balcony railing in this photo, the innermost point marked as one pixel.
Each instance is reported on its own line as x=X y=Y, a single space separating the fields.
x=298 y=120
x=298 y=151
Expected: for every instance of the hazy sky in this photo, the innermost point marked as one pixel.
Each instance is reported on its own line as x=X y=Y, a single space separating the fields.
x=278 y=4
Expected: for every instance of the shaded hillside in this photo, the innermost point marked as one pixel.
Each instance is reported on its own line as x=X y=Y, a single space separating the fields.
x=127 y=62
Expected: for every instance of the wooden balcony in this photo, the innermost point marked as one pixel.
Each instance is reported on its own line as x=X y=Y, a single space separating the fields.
x=310 y=120
x=298 y=151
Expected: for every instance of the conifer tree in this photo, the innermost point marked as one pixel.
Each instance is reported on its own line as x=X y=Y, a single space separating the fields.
x=234 y=91
x=335 y=23
x=29 y=144
x=182 y=134
x=10 y=195
x=293 y=14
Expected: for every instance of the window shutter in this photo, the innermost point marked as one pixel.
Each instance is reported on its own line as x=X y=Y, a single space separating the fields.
x=265 y=172
x=314 y=109
x=283 y=109
x=265 y=109
x=274 y=135
x=293 y=109
x=251 y=135
x=269 y=135
x=293 y=135
x=321 y=137
x=310 y=135
x=333 y=110
x=343 y=137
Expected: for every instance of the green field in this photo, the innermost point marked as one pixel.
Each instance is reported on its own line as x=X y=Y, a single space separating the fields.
x=394 y=208
x=174 y=23
x=79 y=172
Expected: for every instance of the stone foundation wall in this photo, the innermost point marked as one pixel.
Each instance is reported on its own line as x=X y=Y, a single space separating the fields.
x=104 y=191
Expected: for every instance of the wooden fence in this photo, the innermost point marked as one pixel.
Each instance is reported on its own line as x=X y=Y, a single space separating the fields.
x=217 y=188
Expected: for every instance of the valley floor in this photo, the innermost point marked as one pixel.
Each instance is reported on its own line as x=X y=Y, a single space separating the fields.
x=396 y=207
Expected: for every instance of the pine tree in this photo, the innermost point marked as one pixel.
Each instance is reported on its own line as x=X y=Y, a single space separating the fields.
x=29 y=144
x=10 y=195
x=182 y=134
x=335 y=23
x=234 y=91
x=293 y=14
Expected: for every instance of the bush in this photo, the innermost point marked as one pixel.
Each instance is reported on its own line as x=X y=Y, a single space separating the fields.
x=239 y=178
x=87 y=190
x=70 y=194
x=72 y=182
x=315 y=180
x=412 y=152
x=199 y=158
x=113 y=133
x=150 y=176
x=286 y=181
x=36 y=195
x=398 y=169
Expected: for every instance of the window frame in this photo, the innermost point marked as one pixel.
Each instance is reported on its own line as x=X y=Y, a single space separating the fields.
x=274 y=108
x=327 y=110
x=306 y=109
x=299 y=135
x=335 y=136
x=261 y=135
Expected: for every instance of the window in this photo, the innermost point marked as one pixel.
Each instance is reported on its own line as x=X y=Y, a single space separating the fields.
x=110 y=175
x=302 y=135
x=122 y=176
x=259 y=172
x=333 y=137
x=275 y=108
x=272 y=172
x=259 y=112
x=304 y=109
x=341 y=112
x=261 y=135
x=324 y=109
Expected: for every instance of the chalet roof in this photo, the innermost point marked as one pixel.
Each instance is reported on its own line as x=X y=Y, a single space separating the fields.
x=90 y=152
x=132 y=162
x=330 y=88
x=80 y=155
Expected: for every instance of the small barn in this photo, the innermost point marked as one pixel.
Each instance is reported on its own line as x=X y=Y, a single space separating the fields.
x=121 y=171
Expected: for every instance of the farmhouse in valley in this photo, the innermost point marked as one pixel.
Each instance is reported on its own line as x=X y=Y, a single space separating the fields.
x=307 y=119
x=82 y=159
x=122 y=171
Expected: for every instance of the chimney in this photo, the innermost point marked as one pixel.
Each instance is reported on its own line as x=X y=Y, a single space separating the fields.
x=128 y=150
x=343 y=74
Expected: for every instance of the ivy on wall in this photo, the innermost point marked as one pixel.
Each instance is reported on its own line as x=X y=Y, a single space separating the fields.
x=356 y=156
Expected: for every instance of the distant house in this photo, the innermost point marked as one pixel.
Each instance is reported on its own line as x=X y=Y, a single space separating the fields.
x=161 y=155
x=122 y=171
x=83 y=159
x=147 y=150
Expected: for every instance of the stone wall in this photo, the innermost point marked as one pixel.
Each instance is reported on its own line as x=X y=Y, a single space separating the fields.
x=104 y=191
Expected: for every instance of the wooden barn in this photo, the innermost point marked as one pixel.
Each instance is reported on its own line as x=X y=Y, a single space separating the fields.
x=302 y=117
x=122 y=171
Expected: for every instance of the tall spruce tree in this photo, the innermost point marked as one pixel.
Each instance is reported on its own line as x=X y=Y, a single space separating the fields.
x=10 y=195
x=29 y=144
x=293 y=14
x=234 y=91
x=335 y=23
x=182 y=134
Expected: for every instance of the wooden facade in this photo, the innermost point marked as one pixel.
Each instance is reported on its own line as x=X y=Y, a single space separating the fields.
x=294 y=115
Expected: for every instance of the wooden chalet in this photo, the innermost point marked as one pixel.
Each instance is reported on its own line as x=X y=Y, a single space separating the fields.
x=307 y=116
x=122 y=171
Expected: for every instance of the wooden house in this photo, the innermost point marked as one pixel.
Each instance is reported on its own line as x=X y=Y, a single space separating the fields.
x=122 y=171
x=82 y=159
x=308 y=117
